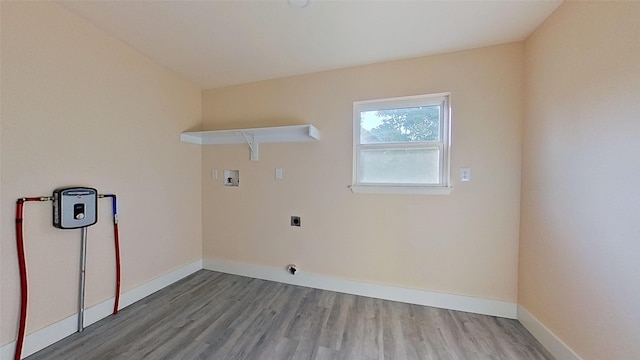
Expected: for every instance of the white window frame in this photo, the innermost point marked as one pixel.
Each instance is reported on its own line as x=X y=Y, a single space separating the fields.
x=444 y=145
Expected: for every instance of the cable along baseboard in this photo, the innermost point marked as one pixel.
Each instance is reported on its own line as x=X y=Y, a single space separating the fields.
x=253 y=137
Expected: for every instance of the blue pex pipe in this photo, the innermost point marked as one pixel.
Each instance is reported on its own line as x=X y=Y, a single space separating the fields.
x=114 y=203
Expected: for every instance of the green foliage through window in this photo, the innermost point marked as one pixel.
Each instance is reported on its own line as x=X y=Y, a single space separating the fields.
x=415 y=124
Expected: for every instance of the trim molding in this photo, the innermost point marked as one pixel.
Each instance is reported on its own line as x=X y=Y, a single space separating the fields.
x=419 y=297
x=49 y=335
x=57 y=331
x=547 y=338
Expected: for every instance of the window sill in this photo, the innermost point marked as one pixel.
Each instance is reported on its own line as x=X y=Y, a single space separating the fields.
x=413 y=190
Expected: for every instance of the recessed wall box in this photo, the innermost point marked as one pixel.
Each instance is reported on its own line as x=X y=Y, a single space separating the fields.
x=232 y=178
x=75 y=207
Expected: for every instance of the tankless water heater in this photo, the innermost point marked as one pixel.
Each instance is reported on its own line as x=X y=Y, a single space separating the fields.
x=75 y=207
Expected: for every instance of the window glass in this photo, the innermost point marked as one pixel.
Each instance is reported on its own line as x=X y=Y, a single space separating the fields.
x=400 y=166
x=412 y=124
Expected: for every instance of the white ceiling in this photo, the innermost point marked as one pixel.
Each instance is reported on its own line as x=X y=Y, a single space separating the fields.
x=220 y=43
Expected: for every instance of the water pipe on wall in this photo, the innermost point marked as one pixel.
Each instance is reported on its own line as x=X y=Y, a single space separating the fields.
x=116 y=242
x=22 y=264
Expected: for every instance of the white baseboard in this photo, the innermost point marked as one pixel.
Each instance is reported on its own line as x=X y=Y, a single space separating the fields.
x=412 y=296
x=546 y=337
x=55 y=332
x=44 y=337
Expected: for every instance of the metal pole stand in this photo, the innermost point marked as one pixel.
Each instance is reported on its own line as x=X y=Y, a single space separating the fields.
x=83 y=266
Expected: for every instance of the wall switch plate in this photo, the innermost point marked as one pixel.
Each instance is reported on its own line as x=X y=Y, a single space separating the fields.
x=279 y=173
x=465 y=174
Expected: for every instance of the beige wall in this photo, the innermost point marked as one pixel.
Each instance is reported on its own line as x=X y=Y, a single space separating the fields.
x=579 y=268
x=80 y=108
x=465 y=243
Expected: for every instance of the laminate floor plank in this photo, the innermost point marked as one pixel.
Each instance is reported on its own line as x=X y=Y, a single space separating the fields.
x=393 y=339
x=211 y=315
x=429 y=324
x=335 y=326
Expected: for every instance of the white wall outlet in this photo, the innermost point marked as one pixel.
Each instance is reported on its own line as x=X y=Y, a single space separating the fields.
x=465 y=174
x=279 y=173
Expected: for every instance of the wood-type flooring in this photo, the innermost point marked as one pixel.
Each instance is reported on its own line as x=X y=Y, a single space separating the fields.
x=211 y=315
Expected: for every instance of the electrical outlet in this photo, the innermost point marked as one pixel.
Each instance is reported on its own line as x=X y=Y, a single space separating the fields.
x=295 y=221
x=465 y=174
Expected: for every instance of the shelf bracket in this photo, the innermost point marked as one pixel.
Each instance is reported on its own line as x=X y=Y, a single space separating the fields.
x=253 y=145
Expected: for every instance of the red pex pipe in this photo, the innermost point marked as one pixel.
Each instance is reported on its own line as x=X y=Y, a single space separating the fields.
x=116 y=240
x=117 y=246
x=22 y=264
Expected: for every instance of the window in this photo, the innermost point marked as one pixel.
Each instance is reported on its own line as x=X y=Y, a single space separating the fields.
x=401 y=145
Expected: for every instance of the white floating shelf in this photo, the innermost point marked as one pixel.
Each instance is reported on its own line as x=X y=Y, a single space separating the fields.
x=292 y=133
x=253 y=137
